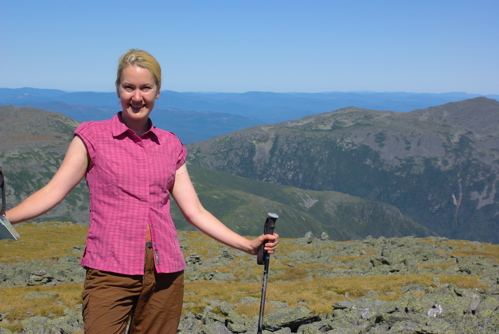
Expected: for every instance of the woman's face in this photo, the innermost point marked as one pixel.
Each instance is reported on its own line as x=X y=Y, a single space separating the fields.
x=137 y=92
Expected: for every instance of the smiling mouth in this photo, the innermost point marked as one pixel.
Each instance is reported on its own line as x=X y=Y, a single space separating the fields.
x=137 y=108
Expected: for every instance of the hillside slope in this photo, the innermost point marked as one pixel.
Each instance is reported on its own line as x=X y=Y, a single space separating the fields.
x=243 y=204
x=438 y=165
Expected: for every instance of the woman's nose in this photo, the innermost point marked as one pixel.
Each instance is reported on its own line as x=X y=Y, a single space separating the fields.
x=137 y=96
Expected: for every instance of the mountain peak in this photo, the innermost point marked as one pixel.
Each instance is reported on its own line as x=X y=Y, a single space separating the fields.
x=480 y=115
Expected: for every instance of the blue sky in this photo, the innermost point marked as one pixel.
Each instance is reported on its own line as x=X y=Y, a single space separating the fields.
x=275 y=45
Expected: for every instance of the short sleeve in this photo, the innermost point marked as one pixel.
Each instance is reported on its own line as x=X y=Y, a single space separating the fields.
x=83 y=131
x=182 y=155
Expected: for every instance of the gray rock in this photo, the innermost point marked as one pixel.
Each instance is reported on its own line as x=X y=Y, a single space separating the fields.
x=214 y=327
x=189 y=324
x=4 y=330
x=309 y=237
x=435 y=311
x=292 y=318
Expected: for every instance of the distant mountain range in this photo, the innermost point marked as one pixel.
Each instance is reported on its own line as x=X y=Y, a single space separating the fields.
x=351 y=172
x=200 y=116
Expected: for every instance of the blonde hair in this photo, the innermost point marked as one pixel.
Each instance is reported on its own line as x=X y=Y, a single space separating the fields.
x=135 y=57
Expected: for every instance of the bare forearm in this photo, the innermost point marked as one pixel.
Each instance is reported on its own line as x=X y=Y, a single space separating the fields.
x=212 y=227
x=32 y=207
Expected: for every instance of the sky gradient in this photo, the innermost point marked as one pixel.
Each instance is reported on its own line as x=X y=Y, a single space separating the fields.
x=237 y=46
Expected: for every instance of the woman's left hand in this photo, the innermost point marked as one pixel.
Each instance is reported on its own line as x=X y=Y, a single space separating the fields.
x=269 y=241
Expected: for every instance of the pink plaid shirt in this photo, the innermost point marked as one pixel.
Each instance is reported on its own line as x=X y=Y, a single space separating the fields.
x=129 y=181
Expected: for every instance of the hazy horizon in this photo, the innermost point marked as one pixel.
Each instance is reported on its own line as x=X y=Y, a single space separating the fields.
x=270 y=92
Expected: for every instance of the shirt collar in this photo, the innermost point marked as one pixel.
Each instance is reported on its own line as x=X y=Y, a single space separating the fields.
x=119 y=128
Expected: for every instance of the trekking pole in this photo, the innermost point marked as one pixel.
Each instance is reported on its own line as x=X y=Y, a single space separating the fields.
x=263 y=258
x=2 y=188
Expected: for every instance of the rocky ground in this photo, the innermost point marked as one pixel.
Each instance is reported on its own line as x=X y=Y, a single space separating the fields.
x=436 y=308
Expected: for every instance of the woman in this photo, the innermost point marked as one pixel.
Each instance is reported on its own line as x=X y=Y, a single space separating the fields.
x=132 y=255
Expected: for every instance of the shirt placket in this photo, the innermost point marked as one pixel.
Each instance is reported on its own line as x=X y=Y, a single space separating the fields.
x=144 y=173
x=150 y=162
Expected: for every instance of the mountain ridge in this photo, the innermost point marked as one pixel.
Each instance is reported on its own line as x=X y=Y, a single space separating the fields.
x=247 y=109
x=440 y=174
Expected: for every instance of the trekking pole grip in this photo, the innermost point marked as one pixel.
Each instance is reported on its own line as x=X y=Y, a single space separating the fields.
x=267 y=229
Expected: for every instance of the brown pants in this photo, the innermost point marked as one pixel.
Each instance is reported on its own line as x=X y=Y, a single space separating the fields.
x=152 y=302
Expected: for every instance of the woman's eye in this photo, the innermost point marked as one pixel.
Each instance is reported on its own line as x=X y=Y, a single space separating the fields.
x=128 y=88
x=146 y=89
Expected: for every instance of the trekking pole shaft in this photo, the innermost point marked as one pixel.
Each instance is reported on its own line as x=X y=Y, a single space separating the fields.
x=264 y=258
x=262 y=299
